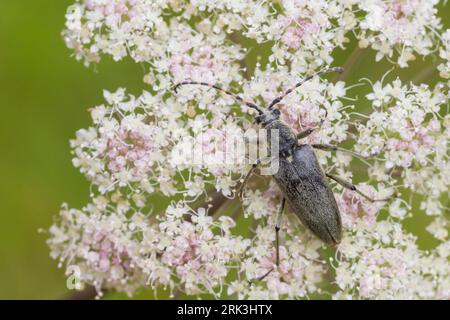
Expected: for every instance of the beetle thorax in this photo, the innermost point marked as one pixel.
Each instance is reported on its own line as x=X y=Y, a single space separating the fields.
x=286 y=137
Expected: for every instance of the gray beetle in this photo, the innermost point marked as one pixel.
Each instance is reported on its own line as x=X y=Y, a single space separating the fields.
x=300 y=177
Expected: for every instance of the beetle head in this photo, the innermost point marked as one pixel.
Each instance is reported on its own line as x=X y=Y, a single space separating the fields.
x=267 y=117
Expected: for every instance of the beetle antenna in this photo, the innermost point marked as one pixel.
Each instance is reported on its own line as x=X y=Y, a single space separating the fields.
x=236 y=97
x=278 y=99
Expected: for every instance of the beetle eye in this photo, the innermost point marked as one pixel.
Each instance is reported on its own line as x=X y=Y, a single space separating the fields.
x=276 y=112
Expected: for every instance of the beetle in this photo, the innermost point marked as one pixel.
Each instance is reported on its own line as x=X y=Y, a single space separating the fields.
x=300 y=177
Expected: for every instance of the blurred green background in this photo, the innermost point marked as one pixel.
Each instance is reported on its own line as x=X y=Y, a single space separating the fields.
x=44 y=97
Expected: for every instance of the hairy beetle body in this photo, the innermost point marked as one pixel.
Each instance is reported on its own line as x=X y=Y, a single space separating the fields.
x=286 y=137
x=304 y=185
x=300 y=176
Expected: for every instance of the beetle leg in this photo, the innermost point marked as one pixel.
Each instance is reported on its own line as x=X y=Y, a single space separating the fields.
x=265 y=275
x=250 y=172
x=307 y=132
x=331 y=147
x=277 y=230
x=244 y=182
x=351 y=186
x=277 y=239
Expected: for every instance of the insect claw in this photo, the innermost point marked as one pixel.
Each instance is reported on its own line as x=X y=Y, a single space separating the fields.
x=250 y=282
x=176 y=87
x=324 y=118
x=240 y=192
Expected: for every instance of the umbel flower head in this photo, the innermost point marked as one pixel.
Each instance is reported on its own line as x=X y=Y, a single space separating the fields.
x=138 y=151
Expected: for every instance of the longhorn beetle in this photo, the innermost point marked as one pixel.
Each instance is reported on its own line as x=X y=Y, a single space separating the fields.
x=300 y=177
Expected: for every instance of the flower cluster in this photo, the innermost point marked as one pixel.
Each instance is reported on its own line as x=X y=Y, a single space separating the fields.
x=384 y=262
x=407 y=123
x=185 y=249
x=404 y=27
x=161 y=145
x=444 y=67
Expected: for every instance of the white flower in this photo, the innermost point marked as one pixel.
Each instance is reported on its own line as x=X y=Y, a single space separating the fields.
x=141 y=149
